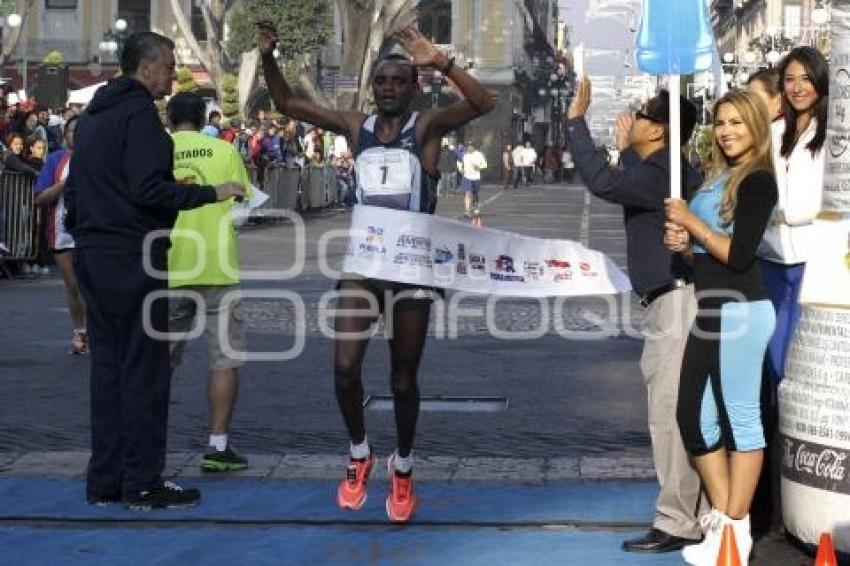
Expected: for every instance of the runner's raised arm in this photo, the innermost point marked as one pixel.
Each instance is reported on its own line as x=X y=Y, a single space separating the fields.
x=477 y=100
x=288 y=103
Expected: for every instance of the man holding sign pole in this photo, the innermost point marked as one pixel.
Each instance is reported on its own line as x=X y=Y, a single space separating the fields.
x=661 y=280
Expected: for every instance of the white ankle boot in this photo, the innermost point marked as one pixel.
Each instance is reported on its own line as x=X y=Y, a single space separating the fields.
x=743 y=538
x=705 y=553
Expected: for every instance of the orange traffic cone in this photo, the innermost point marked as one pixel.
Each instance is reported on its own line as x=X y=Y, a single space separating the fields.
x=728 y=555
x=826 y=551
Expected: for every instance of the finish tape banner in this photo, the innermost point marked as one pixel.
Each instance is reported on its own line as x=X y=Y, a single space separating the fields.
x=426 y=250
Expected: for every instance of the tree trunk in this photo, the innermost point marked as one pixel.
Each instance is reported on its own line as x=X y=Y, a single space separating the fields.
x=214 y=18
x=366 y=24
x=356 y=17
x=247 y=80
x=24 y=8
x=308 y=85
x=214 y=58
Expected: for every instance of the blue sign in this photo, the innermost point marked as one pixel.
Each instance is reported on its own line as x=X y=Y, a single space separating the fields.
x=675 y=37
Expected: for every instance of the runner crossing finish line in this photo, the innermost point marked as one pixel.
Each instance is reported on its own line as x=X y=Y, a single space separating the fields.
x=397 y=154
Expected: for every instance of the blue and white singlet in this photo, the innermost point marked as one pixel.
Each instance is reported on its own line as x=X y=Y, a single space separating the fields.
x=391 y=174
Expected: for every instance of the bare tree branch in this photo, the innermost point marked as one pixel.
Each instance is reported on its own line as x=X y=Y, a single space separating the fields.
x=247 y=77
x=186 y=30
x=308 y=85
x=387 y=17
x=212 y=12
x=24 y=9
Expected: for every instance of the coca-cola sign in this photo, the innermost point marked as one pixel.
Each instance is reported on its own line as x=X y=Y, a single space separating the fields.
x=815 y=465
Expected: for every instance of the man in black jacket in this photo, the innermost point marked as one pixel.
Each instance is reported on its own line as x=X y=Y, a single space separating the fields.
x=121 y=201
x=661 y=280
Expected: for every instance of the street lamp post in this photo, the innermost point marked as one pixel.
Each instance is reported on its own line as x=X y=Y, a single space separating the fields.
x=820 y=13
x=434 y=87
x=821 y=19
x=15 y=20
x=736 y=70
x=771 y=45
x=553 y=87
x=694 y=91
x=113 y=39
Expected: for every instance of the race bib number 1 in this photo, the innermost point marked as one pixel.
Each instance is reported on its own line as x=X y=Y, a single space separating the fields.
x=388 y=172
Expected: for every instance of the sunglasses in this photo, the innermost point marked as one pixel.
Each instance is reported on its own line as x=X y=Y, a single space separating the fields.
x=641 y=115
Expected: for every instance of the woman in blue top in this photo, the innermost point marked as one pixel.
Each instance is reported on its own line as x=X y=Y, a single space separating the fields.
x=718 y=409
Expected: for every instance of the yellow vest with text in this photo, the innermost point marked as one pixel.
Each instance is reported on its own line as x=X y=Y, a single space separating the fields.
x=206 y=161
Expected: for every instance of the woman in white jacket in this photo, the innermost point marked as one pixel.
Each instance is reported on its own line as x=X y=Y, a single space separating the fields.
x=798 y=140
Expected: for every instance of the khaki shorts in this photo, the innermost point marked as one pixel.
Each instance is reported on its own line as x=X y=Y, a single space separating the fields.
x=181 y=317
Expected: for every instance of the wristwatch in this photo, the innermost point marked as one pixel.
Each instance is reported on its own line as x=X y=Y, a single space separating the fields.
x=447 y=68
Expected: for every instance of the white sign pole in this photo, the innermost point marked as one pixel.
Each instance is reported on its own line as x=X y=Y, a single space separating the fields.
x=675 y=137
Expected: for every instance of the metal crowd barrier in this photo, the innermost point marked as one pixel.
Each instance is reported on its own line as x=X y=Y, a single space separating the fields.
x=320 y=187
x=299 y=189
x=19 y=220
x=282 y=185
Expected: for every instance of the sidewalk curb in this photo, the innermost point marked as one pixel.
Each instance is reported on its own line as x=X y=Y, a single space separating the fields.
x=301 y=466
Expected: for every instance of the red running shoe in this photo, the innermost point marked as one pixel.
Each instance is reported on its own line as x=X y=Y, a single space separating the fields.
x=352 y=490
x=401 y=502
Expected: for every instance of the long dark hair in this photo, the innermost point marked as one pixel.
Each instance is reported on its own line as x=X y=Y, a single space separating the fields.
x=818 y=72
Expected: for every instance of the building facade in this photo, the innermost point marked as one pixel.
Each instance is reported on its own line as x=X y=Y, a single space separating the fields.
x=754 y=33
x=79 y=30
x=514 y=47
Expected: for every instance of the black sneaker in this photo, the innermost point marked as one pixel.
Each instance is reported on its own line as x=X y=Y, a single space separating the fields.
x=103 y=500
x=227 y=460
x=168 y=495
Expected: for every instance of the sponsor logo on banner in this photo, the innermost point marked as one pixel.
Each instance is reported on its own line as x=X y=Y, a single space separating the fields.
x=461 y=259
x=414 y=242
x=533 y=270
x=374 y=243
x=562 y=269
x=586 y=269
x=478 y=263
x=418 y=260
x=505 y=263
x=505 y=270
x=443 y=255
x=815 y=465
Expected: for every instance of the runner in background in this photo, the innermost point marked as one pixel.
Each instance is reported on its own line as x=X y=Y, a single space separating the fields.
x=471 y=166
x=396 y=153
x=49 y=190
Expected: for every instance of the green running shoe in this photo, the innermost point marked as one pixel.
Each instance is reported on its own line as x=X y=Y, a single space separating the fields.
x=227 y=460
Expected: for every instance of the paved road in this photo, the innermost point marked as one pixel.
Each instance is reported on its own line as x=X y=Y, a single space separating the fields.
x=563 y=397
x=499 y=487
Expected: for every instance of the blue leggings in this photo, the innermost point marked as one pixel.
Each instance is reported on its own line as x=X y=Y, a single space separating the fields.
x=782 y=283
x=719 y=391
